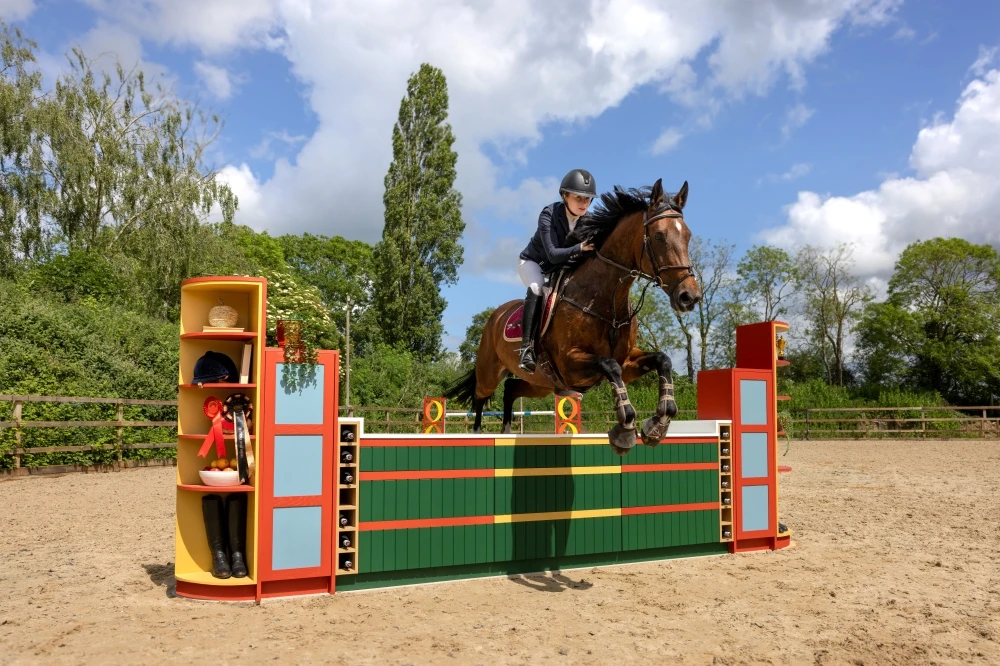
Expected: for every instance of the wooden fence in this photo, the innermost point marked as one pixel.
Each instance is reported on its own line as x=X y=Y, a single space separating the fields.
x=807 y=424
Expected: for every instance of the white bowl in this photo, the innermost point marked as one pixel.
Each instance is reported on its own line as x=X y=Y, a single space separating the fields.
x=219 y=478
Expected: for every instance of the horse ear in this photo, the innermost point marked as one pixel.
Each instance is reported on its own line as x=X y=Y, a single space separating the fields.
x=656 y=196
x=682 y=196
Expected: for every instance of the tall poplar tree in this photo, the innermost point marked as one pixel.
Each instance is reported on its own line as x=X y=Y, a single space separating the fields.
x=419 y=250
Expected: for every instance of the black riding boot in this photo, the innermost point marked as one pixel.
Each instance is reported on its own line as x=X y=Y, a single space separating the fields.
x=531 y=303
x=213 y=510
x=236 y=517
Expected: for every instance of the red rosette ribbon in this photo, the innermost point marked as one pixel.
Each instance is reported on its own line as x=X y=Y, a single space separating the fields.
x=213 y=410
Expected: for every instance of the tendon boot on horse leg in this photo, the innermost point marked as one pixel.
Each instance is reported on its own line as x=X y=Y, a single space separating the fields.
x=639 y=363
x=213 y=510
x=622 y=437
x=531 y=303
x=655 y=427
x=236 y=520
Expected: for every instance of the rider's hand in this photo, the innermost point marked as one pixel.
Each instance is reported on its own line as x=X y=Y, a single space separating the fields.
x=586 y=247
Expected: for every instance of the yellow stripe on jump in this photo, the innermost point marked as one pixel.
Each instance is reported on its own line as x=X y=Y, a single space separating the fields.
x=557 y=515
x=550 y=440
x=558 y=471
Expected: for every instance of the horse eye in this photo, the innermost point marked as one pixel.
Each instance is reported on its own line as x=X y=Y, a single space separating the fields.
x=660 y=236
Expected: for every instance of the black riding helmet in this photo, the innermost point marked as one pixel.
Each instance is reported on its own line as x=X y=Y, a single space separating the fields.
x=579 y=181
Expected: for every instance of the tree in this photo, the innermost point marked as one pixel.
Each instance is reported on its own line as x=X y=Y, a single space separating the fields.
x=938 y=328
x=419 y=250
x=102 y=164
x=339 y=268
x=833 y=302
x=473 y=334
x=712 y=265
x=767 y=279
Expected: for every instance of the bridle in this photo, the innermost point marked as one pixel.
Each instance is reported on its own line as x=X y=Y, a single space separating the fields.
x=667 y=210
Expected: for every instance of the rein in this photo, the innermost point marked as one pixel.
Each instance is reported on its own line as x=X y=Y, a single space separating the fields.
x=632 y=274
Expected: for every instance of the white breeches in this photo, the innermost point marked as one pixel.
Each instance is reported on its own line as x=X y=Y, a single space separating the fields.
x=531 y=275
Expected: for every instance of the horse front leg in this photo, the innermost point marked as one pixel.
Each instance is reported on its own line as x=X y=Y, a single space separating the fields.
x=636 y=365
x=622 y=437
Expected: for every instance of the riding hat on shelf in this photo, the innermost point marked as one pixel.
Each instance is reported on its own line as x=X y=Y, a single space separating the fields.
x=214 y=367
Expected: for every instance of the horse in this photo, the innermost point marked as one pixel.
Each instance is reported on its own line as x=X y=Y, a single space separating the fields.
x=638 y=234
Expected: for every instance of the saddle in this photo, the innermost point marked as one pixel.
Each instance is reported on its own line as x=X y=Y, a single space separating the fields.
x=512 y=330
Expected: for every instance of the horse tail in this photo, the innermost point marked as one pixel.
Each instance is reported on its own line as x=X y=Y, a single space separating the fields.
x=463 y=391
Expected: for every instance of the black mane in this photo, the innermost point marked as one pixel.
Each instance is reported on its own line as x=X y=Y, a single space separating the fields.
x=613 y=207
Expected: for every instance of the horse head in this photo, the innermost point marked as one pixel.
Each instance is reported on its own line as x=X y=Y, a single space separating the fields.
x=665 y=247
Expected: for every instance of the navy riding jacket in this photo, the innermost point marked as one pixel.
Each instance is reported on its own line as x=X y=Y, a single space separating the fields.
x=546 y=246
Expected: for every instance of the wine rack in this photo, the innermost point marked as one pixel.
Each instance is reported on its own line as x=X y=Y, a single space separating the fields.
x=348 y=490
x=725 y=483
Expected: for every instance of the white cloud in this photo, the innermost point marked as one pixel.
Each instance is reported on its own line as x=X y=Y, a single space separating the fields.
x=263 y=149
x=666 y=141
x=795 y=172
x=217 y=79
x=984 y=61
x=904 y=32
x=512 y=66
x=16 y=10
x=955 y=191
x=796 y=117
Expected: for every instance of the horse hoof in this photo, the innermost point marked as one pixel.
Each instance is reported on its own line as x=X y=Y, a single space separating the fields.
x=653 y=431
x=621 y=439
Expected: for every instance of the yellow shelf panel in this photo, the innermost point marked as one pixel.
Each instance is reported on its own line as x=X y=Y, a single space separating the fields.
x=206 y=578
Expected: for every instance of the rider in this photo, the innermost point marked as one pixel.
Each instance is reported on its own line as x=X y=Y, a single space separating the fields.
x=545 y=252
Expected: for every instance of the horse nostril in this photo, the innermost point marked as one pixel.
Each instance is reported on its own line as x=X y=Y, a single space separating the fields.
x=685 y=298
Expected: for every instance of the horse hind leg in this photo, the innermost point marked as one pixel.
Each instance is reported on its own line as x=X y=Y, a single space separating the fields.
x=514 y=388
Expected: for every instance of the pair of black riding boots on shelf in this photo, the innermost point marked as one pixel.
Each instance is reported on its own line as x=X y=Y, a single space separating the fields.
x=226 y=528
x=532 y=304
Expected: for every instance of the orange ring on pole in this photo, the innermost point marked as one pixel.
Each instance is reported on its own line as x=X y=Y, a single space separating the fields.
x=440 y=410
x=571 y=427
x=573 y=403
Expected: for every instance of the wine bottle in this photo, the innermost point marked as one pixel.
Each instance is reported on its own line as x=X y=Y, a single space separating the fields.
x=725 y=467
x=343 y=519
x=346 y=457
x=348 y=478
x=725 y=484
x=727 y=534
x=345 y=541
x=348 y=565
x=347 y=435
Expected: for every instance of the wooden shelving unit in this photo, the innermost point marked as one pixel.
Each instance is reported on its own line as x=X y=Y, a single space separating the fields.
x=348 y=494
x=725 y=483
x=248 y=296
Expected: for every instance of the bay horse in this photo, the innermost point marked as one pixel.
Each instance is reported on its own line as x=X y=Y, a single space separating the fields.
x=637 y=234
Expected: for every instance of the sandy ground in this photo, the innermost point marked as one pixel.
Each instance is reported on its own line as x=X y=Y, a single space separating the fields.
x=894 y=561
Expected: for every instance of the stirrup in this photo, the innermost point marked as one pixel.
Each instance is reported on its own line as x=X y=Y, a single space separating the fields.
x=527 y=359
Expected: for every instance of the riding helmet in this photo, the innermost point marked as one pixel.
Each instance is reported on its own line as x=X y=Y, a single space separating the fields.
x=579 y=181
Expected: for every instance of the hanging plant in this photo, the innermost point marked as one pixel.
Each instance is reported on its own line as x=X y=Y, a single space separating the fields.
x=299 y=322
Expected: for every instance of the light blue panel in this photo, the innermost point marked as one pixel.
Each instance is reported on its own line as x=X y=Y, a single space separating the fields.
x=753 y=454
x=296 y=537
x=753 y=401
x=753 y=504
x=302 y=407
x=298 y=465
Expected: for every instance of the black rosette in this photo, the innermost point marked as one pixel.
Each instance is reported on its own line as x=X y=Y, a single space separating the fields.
x=237 y=409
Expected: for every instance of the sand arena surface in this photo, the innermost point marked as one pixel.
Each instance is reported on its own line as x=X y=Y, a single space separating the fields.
x=894 y=561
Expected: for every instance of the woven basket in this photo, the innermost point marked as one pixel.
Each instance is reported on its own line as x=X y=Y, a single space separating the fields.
x=223 y=316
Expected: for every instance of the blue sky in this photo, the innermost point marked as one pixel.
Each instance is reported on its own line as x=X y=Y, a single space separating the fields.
x=875 y=122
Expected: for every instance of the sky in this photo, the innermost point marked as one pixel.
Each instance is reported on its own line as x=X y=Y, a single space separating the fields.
x=871 y=122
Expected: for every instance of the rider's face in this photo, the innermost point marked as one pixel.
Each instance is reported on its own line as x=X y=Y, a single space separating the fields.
x=577 y=204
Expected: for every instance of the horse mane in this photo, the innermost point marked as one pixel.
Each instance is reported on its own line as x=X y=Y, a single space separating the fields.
x=615 y=206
